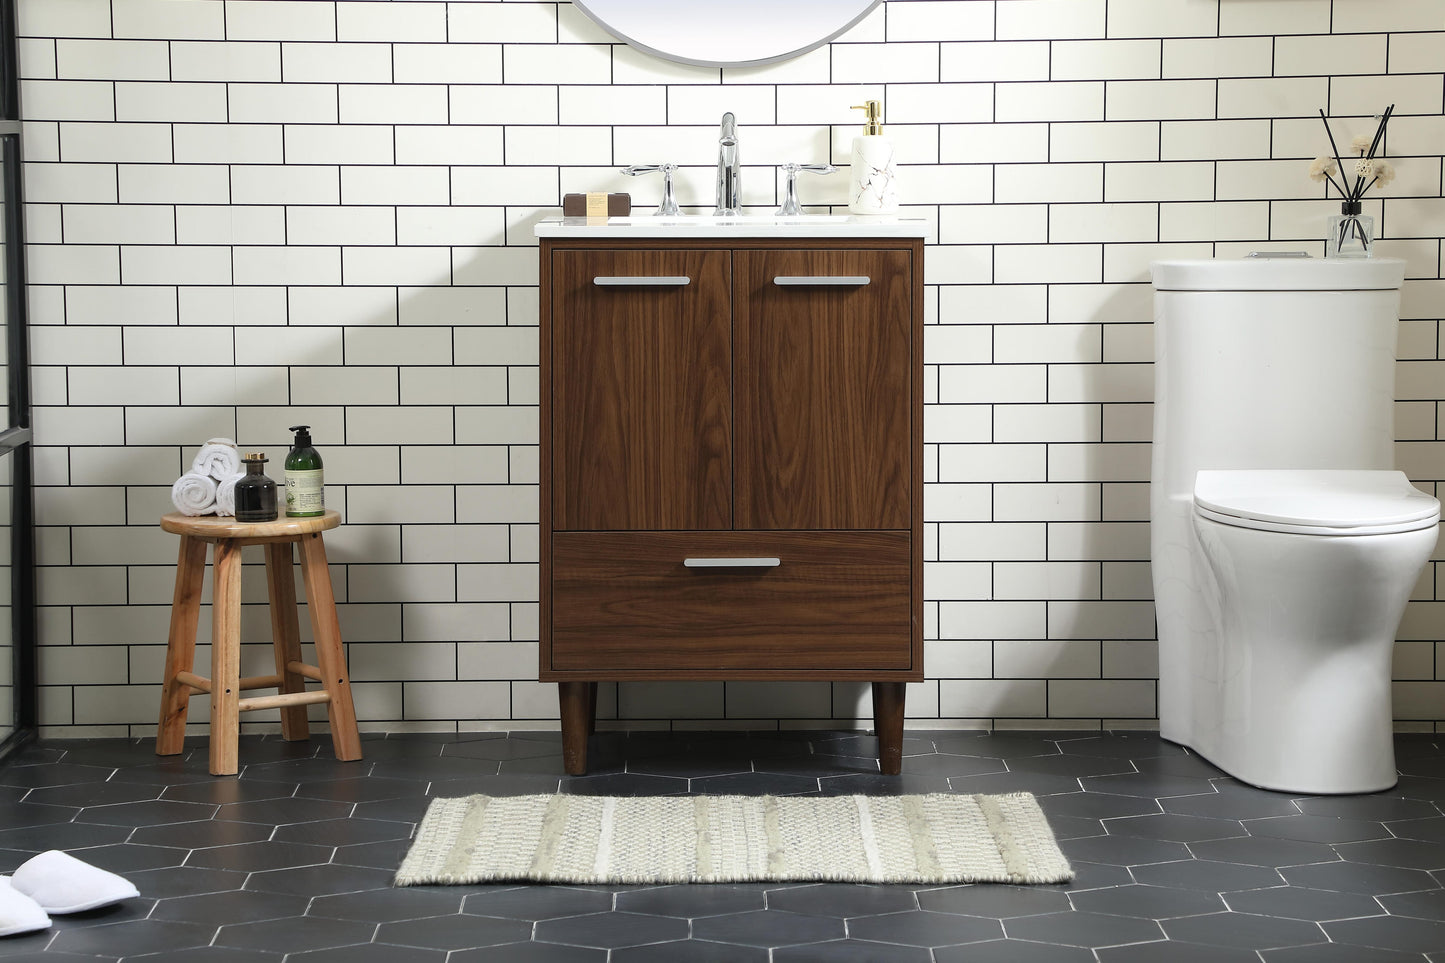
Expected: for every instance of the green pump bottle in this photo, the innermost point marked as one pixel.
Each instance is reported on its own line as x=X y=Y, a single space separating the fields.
x=305 y=484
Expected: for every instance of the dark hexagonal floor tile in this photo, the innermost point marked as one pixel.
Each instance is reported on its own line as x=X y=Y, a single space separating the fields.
x=1090 y=930
x=1068 y=765
x=690 y=950
x=611 y=930
x=944 y=764
x=1390 y=933
x=1148 y=902
x=768 y=928
x=496 y=750
x=877 y=784
x=202 y=834
x=281 y=812
x=1337 y=953
x=1432 y=828
x=217 y=909
x=254 y=857
x=993 y=901
x=296 y=934
x=1381 y=806
x=1124 y=744
x=1147 y=784
x=1428 y=905
x=1242 y=930
x=222 y=791
x=842 y=900
x=688 y=766
x=537 y=902
x=1097 y=805
x=1174 y=827
x=1318 y=829
x=127 y=858
x=370 y=953
x=152 y=812
x=66 y=836
x=322 y=879
x=1176 y=952
x=185 y=881
x=1012 y=951
x=1405 y=853
x=530 y=953
x=343 y=832
x=1208 y=875
x=1348 y=877
x=623 y=784
x=925 y=928
x=1263 y=851
x=91 y=794
x=753 y=784
x=850 y=951
x=54 y=774
x=132 y=938
x=386 y=854
x=1038 y=783
x=693 y=901
x=1254 y=804
x=1123 y=850
x=208 y=954
x=389 y=905
x=459 y=932
x=1301 y=903
x=362 y=790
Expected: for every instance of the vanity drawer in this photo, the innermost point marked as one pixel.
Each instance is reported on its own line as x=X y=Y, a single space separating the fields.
x=630 y=602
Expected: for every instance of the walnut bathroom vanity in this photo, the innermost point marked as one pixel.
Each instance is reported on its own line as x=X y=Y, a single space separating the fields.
x=731 y=457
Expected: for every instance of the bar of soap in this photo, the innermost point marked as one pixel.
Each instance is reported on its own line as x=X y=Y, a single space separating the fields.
x=596 y=204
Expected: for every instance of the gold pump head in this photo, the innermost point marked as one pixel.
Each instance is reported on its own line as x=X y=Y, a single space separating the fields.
x=874 y=112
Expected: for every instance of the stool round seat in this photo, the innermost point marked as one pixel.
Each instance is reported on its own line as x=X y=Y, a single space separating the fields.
x=222 y=526
x=225 y=684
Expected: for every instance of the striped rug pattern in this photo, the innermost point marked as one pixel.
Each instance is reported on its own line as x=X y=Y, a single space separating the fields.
x=930 y=838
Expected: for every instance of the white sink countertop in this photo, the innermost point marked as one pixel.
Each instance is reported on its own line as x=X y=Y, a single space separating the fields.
x=748 y=225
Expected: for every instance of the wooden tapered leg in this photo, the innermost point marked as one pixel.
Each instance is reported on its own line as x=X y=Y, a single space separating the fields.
x=573 y=698
x=226 y=658
x=285 y=635
x=330 y=657
x=888 y=722
x=181 y=646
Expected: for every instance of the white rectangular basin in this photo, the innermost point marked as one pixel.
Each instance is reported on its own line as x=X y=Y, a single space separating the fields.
x=746 y=225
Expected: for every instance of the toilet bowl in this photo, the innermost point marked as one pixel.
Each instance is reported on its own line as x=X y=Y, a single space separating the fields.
x=1308 y=573
x=1284 y=546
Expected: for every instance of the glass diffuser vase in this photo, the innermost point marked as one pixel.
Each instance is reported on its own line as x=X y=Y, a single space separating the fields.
x=1351 y=234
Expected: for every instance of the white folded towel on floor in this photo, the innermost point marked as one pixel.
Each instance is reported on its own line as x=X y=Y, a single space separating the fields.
x=194 y=494
x=219 y=458
x=18 y=912
x=60 y=883
x=226 y=494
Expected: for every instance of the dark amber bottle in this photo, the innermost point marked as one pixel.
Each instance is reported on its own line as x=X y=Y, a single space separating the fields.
x=255 y=493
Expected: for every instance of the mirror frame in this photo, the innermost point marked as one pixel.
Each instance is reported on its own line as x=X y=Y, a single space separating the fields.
x=680 y=10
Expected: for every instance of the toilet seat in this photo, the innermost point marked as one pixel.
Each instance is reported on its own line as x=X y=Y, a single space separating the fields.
x=1319 y=502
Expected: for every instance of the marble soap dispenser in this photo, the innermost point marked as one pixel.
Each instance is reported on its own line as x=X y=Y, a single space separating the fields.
x=872 y=187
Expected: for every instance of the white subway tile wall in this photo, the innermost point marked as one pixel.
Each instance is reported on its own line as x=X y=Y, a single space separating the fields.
x=245 y=214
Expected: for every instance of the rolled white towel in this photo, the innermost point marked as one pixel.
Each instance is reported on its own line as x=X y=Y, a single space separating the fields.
x=194 y=494
x=226 y=494
x=219 y=458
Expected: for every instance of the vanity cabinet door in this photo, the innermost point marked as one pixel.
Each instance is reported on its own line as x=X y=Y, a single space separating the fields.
x=641 y=371
x=822 y=397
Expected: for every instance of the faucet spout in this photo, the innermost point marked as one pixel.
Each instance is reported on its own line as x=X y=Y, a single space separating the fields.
x=728 y=173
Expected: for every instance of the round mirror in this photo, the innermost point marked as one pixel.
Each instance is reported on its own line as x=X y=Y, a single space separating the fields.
x=726 y=33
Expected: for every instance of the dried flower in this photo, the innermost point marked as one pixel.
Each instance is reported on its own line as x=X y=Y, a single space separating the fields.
x=1322 y=168
x=1367 y=170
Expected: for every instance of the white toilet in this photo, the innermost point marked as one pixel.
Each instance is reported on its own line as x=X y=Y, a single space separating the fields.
x=1284 y=546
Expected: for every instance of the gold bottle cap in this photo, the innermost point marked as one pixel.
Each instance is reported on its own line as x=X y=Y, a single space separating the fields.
x=255 y=456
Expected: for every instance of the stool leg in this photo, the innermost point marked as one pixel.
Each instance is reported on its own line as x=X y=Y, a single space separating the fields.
x=181 y=646
x=330 y=658
x=285 y=635
x=226 y=659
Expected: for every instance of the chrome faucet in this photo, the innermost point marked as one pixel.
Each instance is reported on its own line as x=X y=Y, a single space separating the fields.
x=728 y=174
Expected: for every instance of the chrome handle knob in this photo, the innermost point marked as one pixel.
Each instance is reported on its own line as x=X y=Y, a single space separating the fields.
x=668 y=206
x=790 y=206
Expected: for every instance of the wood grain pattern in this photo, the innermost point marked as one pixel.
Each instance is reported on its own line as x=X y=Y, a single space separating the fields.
x=181 y=646
x=624 y=601
x=225 y=658
x=822 y=391
x=285 y=636
x=641 y=385
x=330 y=657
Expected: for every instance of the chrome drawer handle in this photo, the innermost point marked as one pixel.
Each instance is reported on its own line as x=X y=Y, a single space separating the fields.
x=641 y=282
x=825 y=280
x=732 y=562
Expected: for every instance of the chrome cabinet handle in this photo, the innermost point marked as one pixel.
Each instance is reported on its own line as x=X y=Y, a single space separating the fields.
x=641 y=282
x=732 y=562
x=826 y=280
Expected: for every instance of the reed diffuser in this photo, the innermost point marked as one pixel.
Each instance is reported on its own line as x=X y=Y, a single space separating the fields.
x=1351 y=233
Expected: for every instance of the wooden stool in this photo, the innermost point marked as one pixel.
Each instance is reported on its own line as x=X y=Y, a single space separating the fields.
x=225 y=684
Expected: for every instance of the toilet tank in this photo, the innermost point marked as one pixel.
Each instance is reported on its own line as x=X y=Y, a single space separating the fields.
x=1273 y=363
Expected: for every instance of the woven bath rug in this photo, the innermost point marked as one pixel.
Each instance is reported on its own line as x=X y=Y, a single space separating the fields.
x=933 y=838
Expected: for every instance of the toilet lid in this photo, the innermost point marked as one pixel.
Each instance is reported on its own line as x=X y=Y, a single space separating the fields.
x=1322 y=502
